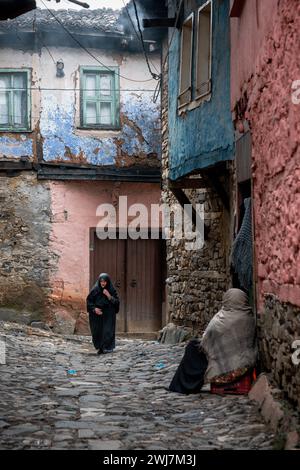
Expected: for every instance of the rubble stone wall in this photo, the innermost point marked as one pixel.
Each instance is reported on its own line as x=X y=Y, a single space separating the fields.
x=197 y=279
x=279 y=328
x=25 y=261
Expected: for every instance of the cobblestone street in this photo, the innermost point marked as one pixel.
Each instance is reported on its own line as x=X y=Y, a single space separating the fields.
x=116 y=401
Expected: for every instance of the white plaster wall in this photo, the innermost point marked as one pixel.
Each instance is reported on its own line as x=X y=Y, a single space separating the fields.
x=56 y=100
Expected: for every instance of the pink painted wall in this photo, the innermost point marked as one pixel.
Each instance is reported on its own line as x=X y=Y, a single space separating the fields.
x=247 y=36
x=74 y=205
x=275 y=126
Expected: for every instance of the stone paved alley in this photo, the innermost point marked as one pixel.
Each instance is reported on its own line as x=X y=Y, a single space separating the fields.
x=116 y=401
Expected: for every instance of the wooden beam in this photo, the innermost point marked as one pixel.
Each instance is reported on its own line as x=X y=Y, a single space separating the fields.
x=16 y=165
x=216 y=184
x=159 y=22
x=184 y=200
x=243 y=158
x=187 y=183
x=77 y=172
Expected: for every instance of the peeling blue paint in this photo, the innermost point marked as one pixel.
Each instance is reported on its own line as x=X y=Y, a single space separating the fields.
x=146 y=116
x=57 y=129
x=139 y=135
x=16 y=148
x=204 y=135
x=131 y=145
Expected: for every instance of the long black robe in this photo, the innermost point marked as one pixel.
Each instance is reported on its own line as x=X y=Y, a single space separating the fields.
x=103 y=327
x=189 y=376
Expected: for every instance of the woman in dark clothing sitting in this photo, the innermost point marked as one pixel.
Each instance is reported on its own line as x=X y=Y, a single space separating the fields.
x=103 y=305
x=226 y=351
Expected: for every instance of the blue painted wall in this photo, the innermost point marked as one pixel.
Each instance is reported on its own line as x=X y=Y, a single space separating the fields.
x=54 y=126
x=14 y=147
x=139 y=134
x=203 y=136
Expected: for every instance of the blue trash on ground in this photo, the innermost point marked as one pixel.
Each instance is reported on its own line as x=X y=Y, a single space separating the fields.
x=160 y=365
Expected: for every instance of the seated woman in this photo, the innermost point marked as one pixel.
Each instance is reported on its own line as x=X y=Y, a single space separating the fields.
x=227 y=348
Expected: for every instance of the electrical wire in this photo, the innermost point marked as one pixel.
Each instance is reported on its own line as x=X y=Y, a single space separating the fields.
x=172 y=37
x=48 y=50
x=74 y=89
x=90 y=89
x=155 y=76
x=51 y=89
x=157 y=91
x=40 y=39
x=136 y=33
x=90 y=53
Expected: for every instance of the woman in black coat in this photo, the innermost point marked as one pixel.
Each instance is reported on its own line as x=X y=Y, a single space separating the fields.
x=103 y=305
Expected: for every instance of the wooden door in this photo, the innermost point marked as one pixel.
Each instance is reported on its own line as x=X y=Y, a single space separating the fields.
x=144 y=285
x=109 y=257
x=135 y=268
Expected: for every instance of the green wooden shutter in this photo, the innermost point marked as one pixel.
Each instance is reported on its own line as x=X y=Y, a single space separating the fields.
x=15 y=100
x=101 y=108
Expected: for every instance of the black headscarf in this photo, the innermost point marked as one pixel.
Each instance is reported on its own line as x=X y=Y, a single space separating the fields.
x=97 y=292
x=103 y=327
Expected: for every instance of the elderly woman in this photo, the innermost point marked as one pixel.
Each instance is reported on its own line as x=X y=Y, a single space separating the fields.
x=102 y=306
x=227 y=349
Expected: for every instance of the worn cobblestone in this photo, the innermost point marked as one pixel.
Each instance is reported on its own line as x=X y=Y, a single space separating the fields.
x=116 y=401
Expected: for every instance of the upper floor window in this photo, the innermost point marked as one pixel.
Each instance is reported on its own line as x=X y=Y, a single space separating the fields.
x=100 y=98
x=196 y=56
x=186 y=61
x=204 y=39
x=14 y=100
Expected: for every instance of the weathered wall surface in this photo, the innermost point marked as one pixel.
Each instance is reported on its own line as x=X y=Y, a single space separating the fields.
x=266 y=102
x=278 y=329
x=196 y=280
x=25 y=261
x=44 y=226
x=56 y=135
x=45 y=244
x=274 y=121
x=204 y=135
x=74 y=206
x=247 y=35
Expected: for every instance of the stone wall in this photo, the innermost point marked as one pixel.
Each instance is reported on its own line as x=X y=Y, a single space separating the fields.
x=266 y=104
x=25 y=262
x=196 y=280
x=27 y=259
x=279 y=327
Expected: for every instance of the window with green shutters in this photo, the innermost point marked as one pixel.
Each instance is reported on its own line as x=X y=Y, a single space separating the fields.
x=14 y=100
x=100 y=98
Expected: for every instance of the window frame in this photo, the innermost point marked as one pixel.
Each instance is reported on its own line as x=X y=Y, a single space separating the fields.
x=115 y=101
x=202 y=95
x=190 y=88
x=14 y=128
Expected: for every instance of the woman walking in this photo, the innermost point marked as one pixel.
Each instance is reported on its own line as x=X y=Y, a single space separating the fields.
x=103 y=305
